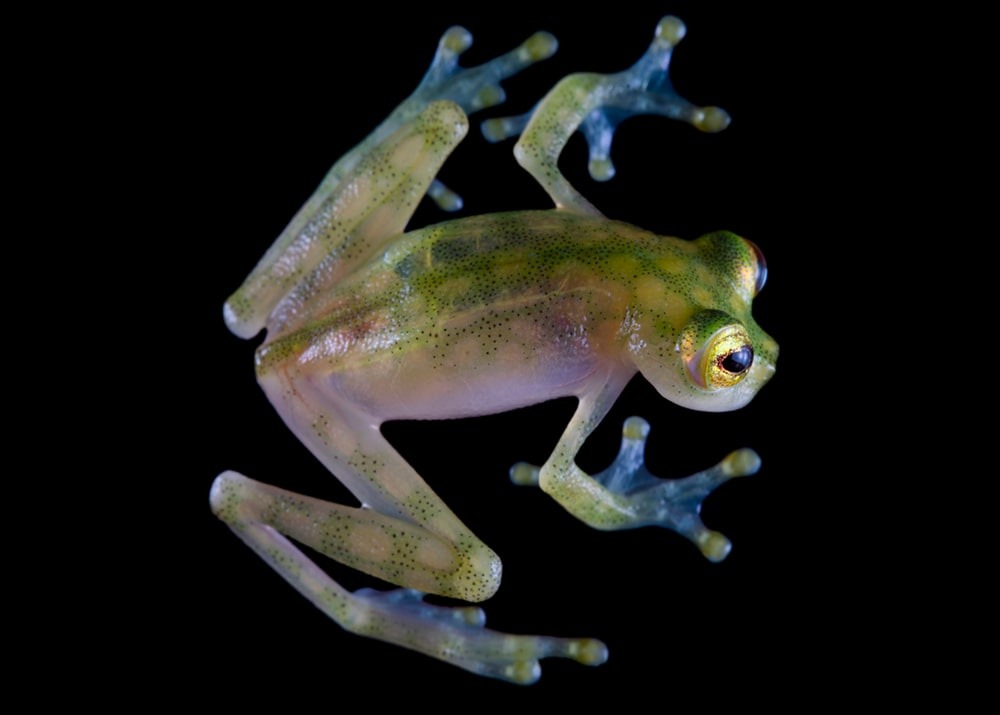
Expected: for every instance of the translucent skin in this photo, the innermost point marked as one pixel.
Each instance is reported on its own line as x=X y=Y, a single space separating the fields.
x=489 y=313
x=366 y=323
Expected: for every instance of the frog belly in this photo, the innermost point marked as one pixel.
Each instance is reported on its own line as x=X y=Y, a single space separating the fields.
x=411 y=389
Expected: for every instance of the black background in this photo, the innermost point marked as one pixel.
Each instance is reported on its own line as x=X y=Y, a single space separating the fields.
x=260 y=105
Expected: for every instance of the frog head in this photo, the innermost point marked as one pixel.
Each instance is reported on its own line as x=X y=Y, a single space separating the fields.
x=697 y=343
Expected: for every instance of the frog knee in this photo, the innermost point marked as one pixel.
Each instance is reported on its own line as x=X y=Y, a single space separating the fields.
x=227 y=494
x=479 y=576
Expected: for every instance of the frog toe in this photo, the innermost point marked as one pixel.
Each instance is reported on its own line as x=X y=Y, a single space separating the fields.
x=457 y=635
x=475 y=88
x=412 y=600
x=445 y=198
x=524 y=474
x=500 y=128
x=714 y=546
x=517 y=659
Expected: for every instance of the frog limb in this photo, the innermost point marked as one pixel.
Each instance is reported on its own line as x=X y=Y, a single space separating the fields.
x=472 y=89
x=317 y=238
x=595 y=104
x=626 y=495
x=262 y=515
x=363 y=212
x=403 y=534
x=418 y=544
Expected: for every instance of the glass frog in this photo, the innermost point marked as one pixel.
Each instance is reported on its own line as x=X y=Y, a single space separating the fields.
x=367 y=322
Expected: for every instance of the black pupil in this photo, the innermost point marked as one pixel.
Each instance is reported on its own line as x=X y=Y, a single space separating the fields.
x=738 y=360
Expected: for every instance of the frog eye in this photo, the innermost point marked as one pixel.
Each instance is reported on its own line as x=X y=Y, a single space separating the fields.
x=761 y=273
x=724 y=359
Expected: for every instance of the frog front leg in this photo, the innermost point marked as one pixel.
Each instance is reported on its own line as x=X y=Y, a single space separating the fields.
x=403 y=534
x=626 y=495
x=595 y=104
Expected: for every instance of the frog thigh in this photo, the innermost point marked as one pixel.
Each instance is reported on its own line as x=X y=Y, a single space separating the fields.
x=348 y=442
x=393 y=549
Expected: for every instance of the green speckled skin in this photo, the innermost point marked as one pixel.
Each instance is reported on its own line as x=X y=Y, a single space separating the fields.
x=484 y=296
x=367 y=322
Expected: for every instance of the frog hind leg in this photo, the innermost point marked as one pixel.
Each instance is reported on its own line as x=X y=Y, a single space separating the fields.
x=471 y=88
x=319 y=246
x=262 y=515
x=595 y=104
x=403 y=534
x=626 y=495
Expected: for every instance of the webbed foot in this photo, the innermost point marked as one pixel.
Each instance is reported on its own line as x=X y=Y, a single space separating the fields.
x=475 y=88
x=459 y=636
x=596 y=104
x=645 y=88
x=472 y=88
x=635 y=497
